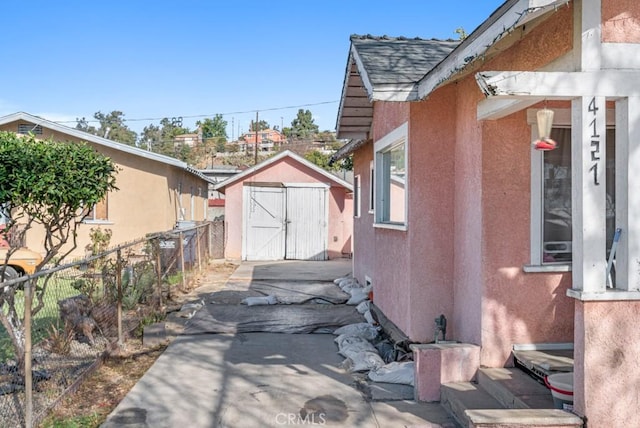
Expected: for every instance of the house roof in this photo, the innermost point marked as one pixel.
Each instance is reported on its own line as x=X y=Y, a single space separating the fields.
x=26 y=117
x=272 y=160
x=384 y=69
x=401 y=69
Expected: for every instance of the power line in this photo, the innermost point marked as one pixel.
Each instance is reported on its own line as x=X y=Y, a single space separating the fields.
x=148 y=119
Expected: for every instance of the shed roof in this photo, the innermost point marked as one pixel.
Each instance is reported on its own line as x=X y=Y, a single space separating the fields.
x=26 y=117
x=272 y=160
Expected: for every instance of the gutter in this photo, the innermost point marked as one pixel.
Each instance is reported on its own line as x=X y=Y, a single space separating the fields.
x=347 y=149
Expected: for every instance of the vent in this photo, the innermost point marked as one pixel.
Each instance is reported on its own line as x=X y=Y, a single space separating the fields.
x=25 y=128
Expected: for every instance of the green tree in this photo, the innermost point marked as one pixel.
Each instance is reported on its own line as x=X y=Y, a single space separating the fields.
x=112 y=126
x=160 y=138
x=54 y=185
x=303 y=127
x=262 y=125
x=213 y=128
x=214 y=134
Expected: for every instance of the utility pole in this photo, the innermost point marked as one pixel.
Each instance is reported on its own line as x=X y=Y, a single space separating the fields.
x=255 y=127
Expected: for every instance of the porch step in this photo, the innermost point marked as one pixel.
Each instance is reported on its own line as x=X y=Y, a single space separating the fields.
x=514 y=389
x=552 y=418
x=503 y=397
x=458 y=397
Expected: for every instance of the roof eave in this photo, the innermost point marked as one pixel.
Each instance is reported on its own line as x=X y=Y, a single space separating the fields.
x=101 y=141
x=512 y=14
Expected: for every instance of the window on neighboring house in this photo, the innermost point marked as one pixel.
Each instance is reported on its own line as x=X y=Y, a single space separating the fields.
x=25 y=128
x=390 y=177
x=99 y=212
x=551 y=199
x=357 y=195
x=372 y=182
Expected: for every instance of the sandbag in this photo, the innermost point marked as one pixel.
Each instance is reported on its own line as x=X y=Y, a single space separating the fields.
x=261 y=300
x=351 y=346
x=395 y=372
x=362 y=362
x=363 y=329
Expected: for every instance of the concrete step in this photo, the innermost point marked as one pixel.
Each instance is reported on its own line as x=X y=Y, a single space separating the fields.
x=509 y=418
x=514 y=389
x=472 y=406
x=458 y=397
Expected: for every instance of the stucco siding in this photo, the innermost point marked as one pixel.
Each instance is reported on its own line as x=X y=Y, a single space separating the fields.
x=431 y=195
x=517 y=307
x=621 y=21
x=146 y=200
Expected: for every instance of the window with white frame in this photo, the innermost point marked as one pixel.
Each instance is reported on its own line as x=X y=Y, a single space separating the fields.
x=391 y=179
x=99 y=212
x=551 y=225
x=357 y=195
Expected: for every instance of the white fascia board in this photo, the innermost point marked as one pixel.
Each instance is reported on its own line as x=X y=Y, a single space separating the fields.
x=508 y=17
x=621 y=56
x=272 y=160
x=559 y=85
x=395 y=92
x=497 y=108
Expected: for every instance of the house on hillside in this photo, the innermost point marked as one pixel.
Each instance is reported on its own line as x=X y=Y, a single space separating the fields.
x=268 y=140
x=460 y=215
x=287 y=208
x=156 y=193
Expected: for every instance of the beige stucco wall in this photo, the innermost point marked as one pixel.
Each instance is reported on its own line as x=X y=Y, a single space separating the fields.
x=288 y=170
x=146 y=201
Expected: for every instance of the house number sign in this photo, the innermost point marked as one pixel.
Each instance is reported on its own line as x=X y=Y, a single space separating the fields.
x=592 y=110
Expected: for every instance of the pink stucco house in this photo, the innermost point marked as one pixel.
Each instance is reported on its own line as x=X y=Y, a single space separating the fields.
x=510 y=243
x=287 y=208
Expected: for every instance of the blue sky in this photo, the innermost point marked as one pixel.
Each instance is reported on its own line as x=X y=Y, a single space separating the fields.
x=154 y=59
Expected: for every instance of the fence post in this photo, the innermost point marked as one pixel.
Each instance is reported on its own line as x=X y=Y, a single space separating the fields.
x=198 y=235
x=159 y=270
x=28 y=375
x=119 y=285
x=184 y=279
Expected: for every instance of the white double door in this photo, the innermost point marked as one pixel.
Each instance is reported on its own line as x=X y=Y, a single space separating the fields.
x=285 y=221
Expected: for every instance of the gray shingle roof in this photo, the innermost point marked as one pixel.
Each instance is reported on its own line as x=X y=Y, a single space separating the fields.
x=399 y=60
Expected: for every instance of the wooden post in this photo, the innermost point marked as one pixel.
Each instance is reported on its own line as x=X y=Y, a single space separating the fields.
x=119 y=285
x=28 y=375
x=184 y=279
x=198 y=249
x=159 y=270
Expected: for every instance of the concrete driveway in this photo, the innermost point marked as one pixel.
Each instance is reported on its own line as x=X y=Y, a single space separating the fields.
x=247 y=380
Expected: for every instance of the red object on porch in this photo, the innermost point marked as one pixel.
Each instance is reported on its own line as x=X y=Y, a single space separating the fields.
x=545 y=145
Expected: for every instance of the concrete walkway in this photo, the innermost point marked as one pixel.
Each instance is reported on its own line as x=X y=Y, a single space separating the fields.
x=247 y=380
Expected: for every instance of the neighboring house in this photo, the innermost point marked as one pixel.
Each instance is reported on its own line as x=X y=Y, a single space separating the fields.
x=217 y=174
x=268 y=140
x=191 y=140
x=287 y=208
x=508 y=242
x=155 y=192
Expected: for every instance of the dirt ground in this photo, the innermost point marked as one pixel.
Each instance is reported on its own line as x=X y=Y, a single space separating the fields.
x=101 y=392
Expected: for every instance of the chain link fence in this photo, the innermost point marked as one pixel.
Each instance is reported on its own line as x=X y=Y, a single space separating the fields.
x=83 y=310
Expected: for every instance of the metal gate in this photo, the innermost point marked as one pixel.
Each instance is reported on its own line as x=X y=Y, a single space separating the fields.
x=285 y=221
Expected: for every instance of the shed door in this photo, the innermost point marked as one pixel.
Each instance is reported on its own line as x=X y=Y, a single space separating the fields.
x=264 y=223
x=285 y=222
x=307 y=214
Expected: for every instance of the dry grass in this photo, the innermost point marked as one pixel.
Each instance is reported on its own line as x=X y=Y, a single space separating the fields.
x=104 y=389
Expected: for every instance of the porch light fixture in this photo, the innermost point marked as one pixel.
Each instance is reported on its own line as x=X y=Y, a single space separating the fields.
x=545 y=121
